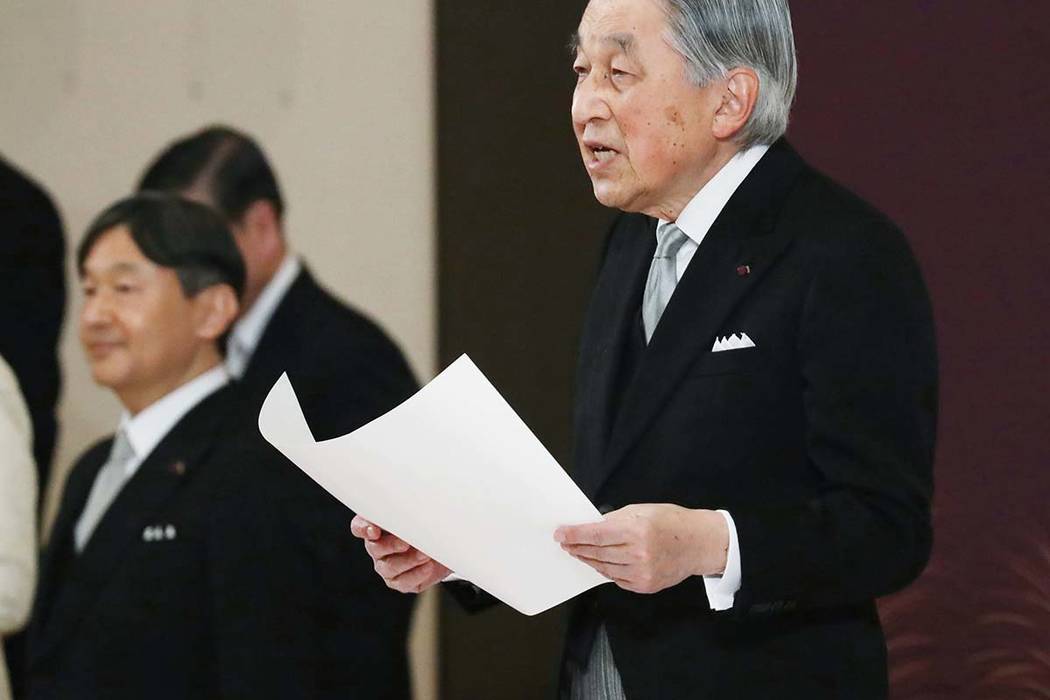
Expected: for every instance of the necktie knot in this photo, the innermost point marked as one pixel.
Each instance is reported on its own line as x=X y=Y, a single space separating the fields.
x=669 y=239
x=122 y=452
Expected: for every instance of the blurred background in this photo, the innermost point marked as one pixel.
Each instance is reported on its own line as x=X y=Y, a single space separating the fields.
x=426 y=155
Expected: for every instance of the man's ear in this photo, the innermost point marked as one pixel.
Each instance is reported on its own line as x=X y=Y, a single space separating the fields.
x=215 y=309
x=260 y=224
x=738 y=103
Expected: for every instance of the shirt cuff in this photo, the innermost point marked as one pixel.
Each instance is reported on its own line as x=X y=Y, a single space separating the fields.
x=721 y=590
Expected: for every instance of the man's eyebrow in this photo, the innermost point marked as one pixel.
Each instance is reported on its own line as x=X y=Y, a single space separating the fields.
x=115 y=269
x=622 y=40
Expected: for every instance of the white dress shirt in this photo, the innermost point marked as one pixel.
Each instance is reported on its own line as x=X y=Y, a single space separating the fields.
x=149 y=426
x=695 y=221
x=246 y=333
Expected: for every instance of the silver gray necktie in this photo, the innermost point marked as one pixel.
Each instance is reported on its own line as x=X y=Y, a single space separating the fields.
x=663 y=276
x=108 y=482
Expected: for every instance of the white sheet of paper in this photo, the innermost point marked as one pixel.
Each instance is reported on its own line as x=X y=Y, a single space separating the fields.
x=456 y=473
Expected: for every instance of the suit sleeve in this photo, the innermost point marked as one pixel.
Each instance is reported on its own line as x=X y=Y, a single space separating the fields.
x=869 y=371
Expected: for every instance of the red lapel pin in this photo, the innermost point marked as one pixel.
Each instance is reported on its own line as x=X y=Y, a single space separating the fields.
x=743 y=271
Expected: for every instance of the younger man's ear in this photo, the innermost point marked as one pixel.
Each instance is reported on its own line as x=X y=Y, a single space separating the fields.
x=216 y=308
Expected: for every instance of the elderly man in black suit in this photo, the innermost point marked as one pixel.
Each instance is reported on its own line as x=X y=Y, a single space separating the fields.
x=756 y=390
x=188 y=560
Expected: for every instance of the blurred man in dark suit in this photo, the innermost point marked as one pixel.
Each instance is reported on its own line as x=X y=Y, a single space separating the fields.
x=345 y=370
x=188 y=560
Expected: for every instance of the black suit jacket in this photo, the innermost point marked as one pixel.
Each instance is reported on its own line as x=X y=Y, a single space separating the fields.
x=32 y=301
x=345 y=370
x=255 y=595
x=819 y=441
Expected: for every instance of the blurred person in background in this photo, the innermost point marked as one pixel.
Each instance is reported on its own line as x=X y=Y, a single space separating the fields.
x=32 y=306
x=17 y=514
x=344 y=368
x=32 y=302
x=188 y=559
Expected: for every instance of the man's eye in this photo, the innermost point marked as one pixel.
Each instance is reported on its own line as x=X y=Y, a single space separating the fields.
x=125 y=288
x=581 y=71
x=88 y=291
x=618 y=73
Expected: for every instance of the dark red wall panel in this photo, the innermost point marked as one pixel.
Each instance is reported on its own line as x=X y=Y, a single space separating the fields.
x=939 y=113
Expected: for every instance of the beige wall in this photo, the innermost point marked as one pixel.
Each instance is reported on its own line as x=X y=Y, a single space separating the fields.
x=339 y=92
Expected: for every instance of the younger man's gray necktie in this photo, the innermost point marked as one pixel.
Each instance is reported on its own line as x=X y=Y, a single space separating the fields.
x=663 y=276
x=108 y=482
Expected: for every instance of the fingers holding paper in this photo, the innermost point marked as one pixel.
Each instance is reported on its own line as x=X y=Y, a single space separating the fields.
x=648 y=547
x=403 y=567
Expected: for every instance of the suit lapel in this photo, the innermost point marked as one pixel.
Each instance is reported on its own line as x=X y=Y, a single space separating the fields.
x=617 y=303
x=120 y=530
x=709 y=291
x=59 y=551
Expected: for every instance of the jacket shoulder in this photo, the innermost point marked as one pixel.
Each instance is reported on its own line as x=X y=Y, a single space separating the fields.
x=826 y=212
x=318 y=312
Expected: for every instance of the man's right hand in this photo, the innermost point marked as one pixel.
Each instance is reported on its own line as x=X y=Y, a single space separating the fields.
x=402 y=566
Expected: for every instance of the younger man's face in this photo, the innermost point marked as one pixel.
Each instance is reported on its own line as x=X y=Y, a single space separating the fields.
x=139 y=330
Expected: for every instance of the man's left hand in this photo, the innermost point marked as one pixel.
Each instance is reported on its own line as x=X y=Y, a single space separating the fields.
x=648 y=547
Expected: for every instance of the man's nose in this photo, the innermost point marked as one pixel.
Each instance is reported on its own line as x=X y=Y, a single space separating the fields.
x=587 y=101
x=97 y=310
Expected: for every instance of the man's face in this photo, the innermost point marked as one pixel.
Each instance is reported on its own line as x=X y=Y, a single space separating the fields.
x=138 y=328
x=644 y=129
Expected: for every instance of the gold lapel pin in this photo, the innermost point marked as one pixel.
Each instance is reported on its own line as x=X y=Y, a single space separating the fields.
x=178 y=468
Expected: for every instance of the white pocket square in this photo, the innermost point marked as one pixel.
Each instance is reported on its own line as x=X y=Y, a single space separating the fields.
x=737 y=341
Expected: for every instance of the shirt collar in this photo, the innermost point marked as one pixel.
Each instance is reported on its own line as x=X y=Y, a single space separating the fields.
x=149 y=426
x=249 y=328
x=702 y=210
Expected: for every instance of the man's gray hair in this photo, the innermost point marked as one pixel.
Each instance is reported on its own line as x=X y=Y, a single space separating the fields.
x=715 y=36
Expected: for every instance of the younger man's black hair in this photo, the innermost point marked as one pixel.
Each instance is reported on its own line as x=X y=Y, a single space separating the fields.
x=173 y=232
